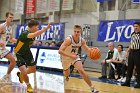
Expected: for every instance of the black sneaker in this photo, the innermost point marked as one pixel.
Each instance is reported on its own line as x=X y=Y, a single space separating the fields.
x=19 y=76
x=111 y=78
x=103 y=77
x=126 y=84
x=118 y=78
x=137 y=86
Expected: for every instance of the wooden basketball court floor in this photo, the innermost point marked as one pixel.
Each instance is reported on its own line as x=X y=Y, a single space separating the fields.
x=52 y=82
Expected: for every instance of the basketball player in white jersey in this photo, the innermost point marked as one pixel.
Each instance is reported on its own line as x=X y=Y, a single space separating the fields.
x=69 y=55
x=5 y=37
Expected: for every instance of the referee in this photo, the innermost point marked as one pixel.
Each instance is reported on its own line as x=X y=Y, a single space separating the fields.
x=134 y=56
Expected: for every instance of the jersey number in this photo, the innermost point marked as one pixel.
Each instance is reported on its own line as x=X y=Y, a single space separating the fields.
x=73 y=50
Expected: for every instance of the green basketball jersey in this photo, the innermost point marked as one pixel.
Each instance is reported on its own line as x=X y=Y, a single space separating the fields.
x=23 y=43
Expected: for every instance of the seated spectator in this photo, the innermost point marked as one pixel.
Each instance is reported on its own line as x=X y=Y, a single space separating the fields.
x=47 y=44
x=53 y=44
x=39 y=43
x=34 y=43
x=121 y=63
x=107 y=64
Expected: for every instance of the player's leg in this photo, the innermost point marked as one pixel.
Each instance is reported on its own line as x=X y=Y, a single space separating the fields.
x=80 y=69
x=66 y=74
x=78 y=65
x=12 y=64
x=30 y=63
x=6 y=53
x=25 y=78
x=29 y=60
x=31 y=69
x=66 y=63
x=23 y=60
x=24 y=73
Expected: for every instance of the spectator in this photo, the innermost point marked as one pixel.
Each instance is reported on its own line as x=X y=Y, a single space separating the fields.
x=59 y=43
x=34 y=43
x=39 y=43
x=111 y=54
x=53 y=44
x=121 y=63
x=47 y=44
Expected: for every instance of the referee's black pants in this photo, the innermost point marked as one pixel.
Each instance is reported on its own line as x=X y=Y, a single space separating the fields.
x=133 y=60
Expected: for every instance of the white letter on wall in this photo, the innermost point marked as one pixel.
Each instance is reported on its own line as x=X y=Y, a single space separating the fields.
x=108 y=32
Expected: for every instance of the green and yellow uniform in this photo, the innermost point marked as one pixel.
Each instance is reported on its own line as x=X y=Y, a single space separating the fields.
x=22 y=50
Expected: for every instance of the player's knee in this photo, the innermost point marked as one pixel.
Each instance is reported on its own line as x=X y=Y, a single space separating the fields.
x=24 y=73
x=34 y=70
x=20 y=64
x=13 y=61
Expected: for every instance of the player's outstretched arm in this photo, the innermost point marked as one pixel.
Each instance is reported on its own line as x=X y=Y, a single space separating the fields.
x=37 y=33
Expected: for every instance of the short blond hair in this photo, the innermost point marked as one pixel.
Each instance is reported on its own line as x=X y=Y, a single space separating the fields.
x=78 y=26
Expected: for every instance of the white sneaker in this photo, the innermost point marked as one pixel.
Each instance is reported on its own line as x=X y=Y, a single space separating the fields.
x=5 y=79
x=119 y=80
x=124 y=79
x=93 y=90
x=133 y=78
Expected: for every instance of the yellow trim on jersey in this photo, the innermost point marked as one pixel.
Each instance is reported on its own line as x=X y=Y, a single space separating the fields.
x=19 y=45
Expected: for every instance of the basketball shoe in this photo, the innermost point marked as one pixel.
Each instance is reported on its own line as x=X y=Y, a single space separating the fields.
x=6 y=79
x=19 y=76
x=29 y=88
x=93 y=90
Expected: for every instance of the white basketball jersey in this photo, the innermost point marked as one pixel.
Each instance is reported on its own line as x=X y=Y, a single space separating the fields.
x=73 y=48
x=5 y=36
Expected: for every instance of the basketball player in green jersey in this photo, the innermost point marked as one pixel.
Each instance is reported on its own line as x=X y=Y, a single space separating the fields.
x=23 y=53
x=69 y=50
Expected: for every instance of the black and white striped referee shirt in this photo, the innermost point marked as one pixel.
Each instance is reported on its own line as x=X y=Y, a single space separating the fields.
x=135 y=40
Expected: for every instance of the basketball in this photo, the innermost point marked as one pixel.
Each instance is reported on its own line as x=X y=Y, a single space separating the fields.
x=94 y=53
